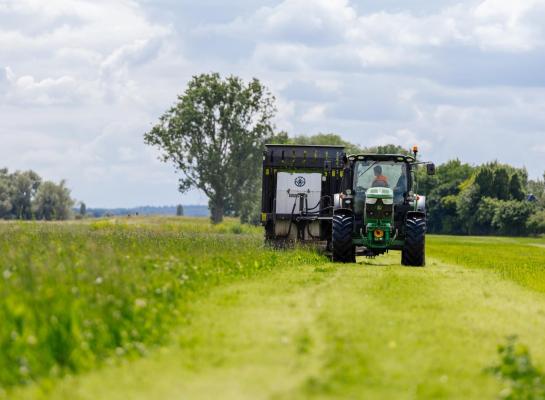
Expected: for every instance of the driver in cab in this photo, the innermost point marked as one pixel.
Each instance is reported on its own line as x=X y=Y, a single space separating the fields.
x=380 y=180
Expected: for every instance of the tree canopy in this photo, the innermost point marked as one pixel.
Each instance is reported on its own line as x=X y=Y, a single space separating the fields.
x=335 y=139
x=214 y=136
x=482 y=200
x=23 y=195
x=52 y=202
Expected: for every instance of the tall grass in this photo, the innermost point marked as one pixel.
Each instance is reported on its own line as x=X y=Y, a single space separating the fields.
x=75 y=294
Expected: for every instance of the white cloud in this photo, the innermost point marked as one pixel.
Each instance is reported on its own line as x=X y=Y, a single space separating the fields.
x=297 y=34
x=319 y=22
x=539 y=148
x=27 y=90
x=314 y=114
x=403 y=137
x=509 y=25
x=83 y=49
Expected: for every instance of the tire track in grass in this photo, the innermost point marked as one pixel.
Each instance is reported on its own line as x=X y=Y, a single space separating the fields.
x=372 y=331
x=421 y=333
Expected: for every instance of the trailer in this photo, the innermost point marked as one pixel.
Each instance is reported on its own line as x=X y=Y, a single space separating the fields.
x=299 y=183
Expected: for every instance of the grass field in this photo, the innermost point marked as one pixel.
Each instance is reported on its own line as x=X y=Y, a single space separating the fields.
x=176 y=308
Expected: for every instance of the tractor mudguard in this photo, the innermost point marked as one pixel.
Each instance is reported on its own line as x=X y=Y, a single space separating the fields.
x=415 y=214
x=345 y=211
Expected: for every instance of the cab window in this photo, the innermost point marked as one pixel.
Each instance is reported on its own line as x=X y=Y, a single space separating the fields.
x=389 y=174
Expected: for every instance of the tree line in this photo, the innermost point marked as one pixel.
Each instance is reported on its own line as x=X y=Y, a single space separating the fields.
x=24 y=195
x=492 y=198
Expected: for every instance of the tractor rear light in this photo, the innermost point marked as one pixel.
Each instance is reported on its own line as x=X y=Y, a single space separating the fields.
x=378 y=233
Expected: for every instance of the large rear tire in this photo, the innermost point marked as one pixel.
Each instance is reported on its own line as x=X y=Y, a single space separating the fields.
x=343 y=250
x=414 y=249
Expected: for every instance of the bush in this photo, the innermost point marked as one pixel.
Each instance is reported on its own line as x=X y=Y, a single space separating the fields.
x=525 y=382
x=536 y=223
x=511 y=217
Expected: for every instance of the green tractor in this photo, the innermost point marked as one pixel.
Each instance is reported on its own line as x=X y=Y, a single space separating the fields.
x=378 y=209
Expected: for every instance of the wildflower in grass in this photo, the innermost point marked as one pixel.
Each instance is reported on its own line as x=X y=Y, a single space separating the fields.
x=140 y=303
x=84 y=322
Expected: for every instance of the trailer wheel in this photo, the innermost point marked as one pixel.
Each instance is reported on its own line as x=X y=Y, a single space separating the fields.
x=343 y=250
x=414 y=249
x=272 y=241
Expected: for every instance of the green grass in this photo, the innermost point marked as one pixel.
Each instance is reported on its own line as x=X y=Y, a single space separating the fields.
x=74 y=295
x=250 y=323
x=519 y=259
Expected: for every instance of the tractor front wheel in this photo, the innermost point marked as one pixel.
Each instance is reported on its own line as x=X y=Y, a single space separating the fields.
x=414 y=249
x=343 y=249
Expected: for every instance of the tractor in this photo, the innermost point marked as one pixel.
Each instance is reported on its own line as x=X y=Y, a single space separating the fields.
x=364 y=204
x=378 y=209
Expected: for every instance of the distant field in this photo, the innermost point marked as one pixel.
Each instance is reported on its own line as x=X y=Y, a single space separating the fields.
x=142 y=308
x=189 y=210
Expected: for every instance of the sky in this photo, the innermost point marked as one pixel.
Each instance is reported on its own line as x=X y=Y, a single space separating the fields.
x=82 y=81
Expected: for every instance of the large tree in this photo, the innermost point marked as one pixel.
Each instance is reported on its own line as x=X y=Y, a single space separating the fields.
x=24 y=187
x=52 y=202
x=5 y=193
x=214 y=136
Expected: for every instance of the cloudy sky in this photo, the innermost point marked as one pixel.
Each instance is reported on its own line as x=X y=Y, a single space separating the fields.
x=81 y=81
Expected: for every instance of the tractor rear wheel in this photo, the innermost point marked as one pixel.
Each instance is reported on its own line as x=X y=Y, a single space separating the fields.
x=414 y=249
x=343 y=249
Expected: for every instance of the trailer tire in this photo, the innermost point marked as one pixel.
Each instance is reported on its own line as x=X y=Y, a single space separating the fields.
x=343 y=250
x=414 y=249
x=272 y=241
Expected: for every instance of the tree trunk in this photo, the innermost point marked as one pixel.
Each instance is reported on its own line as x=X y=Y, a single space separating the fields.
x=216 y=211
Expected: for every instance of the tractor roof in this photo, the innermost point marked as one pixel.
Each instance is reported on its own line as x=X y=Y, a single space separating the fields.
x=382 y=157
